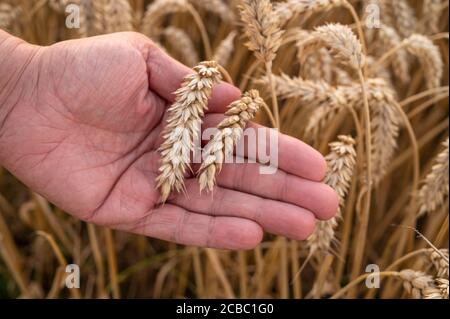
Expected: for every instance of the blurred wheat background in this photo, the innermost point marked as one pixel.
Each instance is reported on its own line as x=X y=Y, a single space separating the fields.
x=313 y=96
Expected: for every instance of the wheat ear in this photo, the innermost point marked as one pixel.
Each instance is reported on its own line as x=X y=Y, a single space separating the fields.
x=182 y=43
x=230 y=131
x=402 y=15
x=439 y=262
x=441 y=291
x=389 y=38
x=341 y=163
x=435 y=187
x=225 y=49
x=429 y=56
x=418 y=284
x=262 y=28
x=184 y=116
x=384 y=125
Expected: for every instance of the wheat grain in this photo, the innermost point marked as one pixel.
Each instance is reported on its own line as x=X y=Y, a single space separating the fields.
x=230 y=131
x=217 y=7
x=225 y=49
x=429 y=56
x=439 y=262
x=341 y=163
x=262 y=28
x=180 y=41
x=442 y=286
x=418 y=284
x=157 y=10
x=181 y=129
x=435 y=187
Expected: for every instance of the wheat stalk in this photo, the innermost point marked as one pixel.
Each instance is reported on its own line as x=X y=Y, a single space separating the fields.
x=230 y=131
x=183 y=118
x=225 y=49
x=180 y=41
x=341 y=163
x=435 y=187
x=418 y=284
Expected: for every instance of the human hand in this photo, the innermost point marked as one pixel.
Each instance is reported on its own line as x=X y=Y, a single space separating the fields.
x=85 y=136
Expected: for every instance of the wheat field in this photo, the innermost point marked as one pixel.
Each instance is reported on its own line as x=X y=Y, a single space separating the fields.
x=363 y=81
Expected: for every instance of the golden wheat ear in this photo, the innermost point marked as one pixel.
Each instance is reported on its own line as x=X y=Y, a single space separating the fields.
x=341 y=164
x=229 y=132
x=183 y=118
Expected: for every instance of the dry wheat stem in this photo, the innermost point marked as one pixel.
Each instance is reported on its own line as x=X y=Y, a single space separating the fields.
x=230 y=131
x=183 y=118
x=435 y=187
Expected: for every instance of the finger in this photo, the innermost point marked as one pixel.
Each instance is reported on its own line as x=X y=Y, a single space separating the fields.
x=316 y=197
x=166 y=75
x=274 y=217
x=176 y=224
x=289 y=154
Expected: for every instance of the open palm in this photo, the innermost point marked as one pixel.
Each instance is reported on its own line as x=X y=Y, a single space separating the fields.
x=86 y=138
